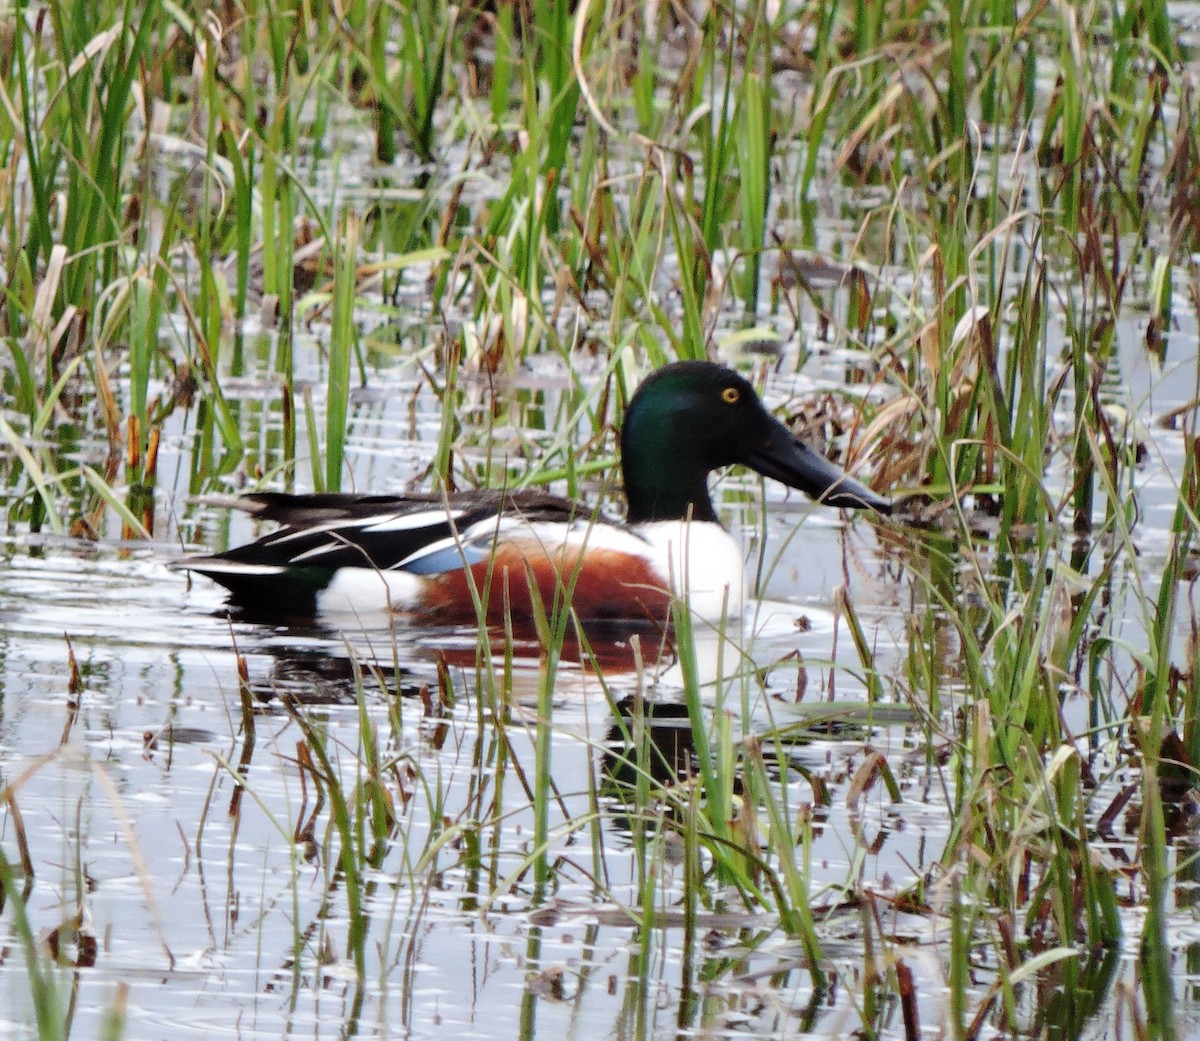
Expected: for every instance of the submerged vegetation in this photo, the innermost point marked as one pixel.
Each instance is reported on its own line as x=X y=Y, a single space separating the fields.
x=224 y=229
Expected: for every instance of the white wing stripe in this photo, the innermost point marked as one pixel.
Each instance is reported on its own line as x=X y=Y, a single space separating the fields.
x=377 y=522
x=216 y=566
x=411 y=521
x=320 y=551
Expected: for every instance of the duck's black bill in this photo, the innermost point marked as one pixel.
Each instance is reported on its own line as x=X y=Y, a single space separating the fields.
x=790 y=461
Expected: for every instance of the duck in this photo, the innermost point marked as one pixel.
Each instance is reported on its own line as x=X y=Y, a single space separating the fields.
x=483 y=557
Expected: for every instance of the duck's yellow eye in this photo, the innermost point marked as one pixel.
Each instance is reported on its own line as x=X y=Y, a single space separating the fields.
x=730 y=395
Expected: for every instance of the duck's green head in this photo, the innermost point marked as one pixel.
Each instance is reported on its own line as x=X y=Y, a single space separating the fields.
x=693 y=417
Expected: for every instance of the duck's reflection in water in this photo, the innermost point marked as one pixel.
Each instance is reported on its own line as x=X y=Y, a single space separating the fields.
x=320 y=665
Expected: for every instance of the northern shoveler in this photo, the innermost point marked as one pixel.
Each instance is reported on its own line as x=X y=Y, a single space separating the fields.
x=437 y=557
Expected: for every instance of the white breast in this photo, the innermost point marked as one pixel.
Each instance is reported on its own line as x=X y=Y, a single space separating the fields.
x=704 y=565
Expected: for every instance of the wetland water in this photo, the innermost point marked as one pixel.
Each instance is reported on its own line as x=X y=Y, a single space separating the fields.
x=213 y=907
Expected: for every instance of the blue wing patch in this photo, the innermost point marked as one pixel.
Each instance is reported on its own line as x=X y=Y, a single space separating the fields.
x=441 y=557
